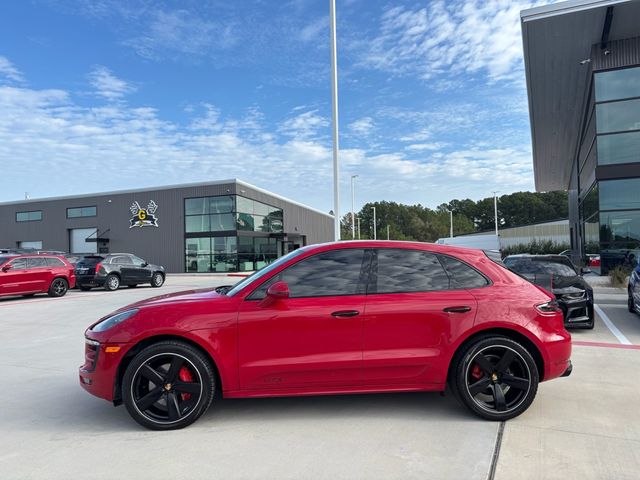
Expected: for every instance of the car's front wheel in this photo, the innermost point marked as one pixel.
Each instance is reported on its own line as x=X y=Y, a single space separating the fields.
x=168 y=385
x=630 y=303
x=58 y=287
x=496 y=377
x=157 y=280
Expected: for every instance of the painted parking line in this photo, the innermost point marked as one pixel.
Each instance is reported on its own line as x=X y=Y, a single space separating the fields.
x=580 y=343
x=610 y=325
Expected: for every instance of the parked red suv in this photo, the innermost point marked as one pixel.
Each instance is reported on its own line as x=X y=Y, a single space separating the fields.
x=36 y=273
x=347 y=317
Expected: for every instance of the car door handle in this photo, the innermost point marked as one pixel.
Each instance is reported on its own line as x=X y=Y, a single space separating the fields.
x=461 y=309
x=345 y=313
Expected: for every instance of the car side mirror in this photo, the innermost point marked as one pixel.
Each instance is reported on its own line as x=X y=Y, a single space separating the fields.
x=279 y=291
x=6 y=268
x=584 y=271
x=145 y=264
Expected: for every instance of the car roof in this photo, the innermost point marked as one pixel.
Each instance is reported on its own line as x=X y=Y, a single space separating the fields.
x=406 y=245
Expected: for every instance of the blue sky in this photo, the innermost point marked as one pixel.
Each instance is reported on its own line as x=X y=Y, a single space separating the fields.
x=105 y=95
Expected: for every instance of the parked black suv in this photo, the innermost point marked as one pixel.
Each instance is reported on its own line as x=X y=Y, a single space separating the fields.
x=115 y=269
x=557 y=274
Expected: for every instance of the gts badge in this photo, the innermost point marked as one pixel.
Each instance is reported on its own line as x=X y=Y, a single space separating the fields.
x=143 y=217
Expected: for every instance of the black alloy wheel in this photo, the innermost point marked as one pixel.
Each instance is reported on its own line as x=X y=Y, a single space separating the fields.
x=112 y=282
x=496 y=378
x=157 y=280
x=58 y=287
x=168 y=386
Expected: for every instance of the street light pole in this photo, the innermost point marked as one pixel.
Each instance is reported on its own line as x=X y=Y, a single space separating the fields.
x=495 y=208
x=334 y=111
x=353 y=213
x=358 y=228
x=451 y=227
x=375 y=232
x=387 y=232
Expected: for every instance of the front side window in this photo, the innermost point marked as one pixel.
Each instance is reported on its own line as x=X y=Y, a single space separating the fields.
x=404 y=271
x=333 y=273
x=19 y=264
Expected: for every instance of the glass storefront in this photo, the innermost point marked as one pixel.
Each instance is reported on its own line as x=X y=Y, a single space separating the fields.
x=215 y=241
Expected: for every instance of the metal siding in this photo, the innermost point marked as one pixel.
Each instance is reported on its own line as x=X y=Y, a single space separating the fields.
x=622 y=53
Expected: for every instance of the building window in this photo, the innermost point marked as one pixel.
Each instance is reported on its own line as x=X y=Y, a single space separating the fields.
x=620 y=194
x=76 y=212
x=617 y=84
x=209 y=214
x=211 y=254
x=618 y=116
x=37 y=245
x=254 y=216
x=29 y=216
x=619 y=148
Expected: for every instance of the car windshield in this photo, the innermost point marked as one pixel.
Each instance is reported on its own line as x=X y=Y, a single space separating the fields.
x=264 y=271
x=535 y=266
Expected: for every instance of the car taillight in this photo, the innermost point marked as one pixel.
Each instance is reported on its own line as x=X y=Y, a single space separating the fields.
x=98 y=266
x=549 y=308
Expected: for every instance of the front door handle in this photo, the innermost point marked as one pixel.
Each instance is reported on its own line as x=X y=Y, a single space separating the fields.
x=461 y=309
x=345 y=313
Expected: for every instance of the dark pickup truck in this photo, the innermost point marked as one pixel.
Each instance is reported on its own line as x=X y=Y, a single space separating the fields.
x=558 y=275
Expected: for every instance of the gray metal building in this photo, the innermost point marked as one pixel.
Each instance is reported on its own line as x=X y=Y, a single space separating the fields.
x=222 y=226
x=582 y=63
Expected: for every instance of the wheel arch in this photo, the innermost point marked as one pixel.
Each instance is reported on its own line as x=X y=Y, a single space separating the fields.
x=142 y=344
x=505 y=332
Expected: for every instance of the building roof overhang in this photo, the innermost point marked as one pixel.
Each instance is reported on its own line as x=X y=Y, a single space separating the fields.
x=557 y=39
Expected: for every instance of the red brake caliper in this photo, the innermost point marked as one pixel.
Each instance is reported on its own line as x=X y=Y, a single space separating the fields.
x=185 y=376
x=476 y=372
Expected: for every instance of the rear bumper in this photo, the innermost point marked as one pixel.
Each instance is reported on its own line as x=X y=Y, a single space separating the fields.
x=89 y=281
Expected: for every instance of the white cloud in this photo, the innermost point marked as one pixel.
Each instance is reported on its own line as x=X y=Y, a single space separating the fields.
x=313 y=31
x=452 y=37
x=362 y=126
x=304 y=125
x=10 y=72
x=419 y=147
x=107 y=85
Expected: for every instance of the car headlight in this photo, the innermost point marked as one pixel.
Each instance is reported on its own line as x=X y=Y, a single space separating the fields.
x=114 y=320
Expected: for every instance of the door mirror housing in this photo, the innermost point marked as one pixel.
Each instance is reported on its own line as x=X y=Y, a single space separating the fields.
x=279 y=291
x=144 y=264
x=6 y=268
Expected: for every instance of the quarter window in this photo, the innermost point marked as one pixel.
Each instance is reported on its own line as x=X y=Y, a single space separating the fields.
x=462 y=275
x=403 y=271
x=333 y=273
x=55 y=262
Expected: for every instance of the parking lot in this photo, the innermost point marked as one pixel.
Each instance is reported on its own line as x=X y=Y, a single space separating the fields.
x=585 y=426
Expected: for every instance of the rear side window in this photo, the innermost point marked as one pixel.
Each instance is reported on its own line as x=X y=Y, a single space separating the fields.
x=36 y=262
x=55 y=262
x=462 y=275
x=337 y=272
x=404 y=271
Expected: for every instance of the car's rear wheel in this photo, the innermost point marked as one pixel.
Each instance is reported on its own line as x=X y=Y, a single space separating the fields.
x=112 y=282
x=496 y=378
x=58 y=287
x=168 y=386
x=157 y=280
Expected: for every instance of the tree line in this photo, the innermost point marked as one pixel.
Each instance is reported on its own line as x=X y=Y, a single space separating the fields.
x=420 y=223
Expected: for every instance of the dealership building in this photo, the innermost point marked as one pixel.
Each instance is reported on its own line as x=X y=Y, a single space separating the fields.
x=222 y=226
x=582 y=62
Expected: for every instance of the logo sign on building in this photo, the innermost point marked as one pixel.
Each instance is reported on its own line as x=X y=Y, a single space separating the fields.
x=143 y=217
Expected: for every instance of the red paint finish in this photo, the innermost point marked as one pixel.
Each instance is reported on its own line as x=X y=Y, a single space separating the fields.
x=341 y=343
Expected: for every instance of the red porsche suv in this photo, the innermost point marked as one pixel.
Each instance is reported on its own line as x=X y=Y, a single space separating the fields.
x=337 y=318
x=29 y=274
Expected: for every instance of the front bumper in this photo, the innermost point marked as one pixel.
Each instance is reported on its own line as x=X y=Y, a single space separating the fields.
x=576 y=311
x=98 y=373
x=568 y=371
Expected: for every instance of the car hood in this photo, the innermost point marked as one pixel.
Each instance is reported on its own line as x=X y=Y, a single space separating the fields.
x=202 y=294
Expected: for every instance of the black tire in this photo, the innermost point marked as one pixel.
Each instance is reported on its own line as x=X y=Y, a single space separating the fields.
x=157 y=280
x=58 y=287
x=496 y=377
x=592 y=318
x=630 y=302
x=133 y=285
x=84 y=289
x=112 y=282
x=154 y=383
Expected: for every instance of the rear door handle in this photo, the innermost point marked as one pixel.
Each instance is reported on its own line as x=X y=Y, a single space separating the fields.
x=345 y=313
x=461 y=309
